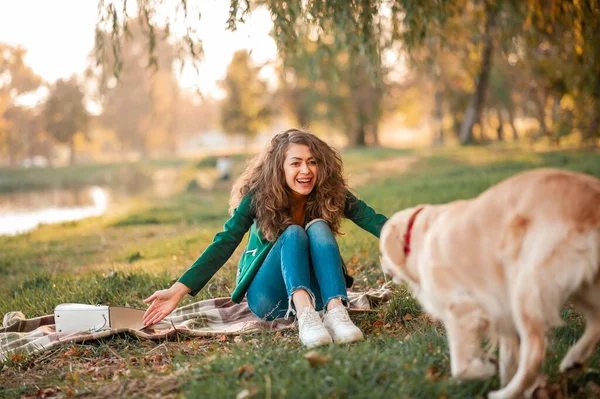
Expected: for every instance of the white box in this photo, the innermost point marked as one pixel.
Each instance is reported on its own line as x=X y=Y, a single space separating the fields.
x=76 y=317
x=73 y=317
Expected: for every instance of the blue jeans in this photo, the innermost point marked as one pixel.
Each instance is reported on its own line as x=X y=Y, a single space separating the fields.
x=300 y=259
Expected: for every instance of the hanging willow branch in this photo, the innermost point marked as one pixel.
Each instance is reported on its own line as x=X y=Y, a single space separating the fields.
x=359 y=28
x=153 y=16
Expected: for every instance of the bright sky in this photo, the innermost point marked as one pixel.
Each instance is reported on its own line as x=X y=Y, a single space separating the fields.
x=59 y=35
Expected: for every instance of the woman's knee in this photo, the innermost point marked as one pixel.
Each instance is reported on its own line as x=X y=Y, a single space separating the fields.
x=319 y=230
x=294 y=232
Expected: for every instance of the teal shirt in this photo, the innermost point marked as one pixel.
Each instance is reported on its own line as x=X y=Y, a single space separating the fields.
x=244 y=219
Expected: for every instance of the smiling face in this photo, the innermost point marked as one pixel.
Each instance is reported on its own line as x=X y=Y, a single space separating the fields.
x=300 y=169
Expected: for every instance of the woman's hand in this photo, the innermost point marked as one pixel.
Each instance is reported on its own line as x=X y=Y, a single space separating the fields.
x=163 y=303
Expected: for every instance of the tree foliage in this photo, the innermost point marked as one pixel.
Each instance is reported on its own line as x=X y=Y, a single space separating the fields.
x=245 y=109
x=476 y=69
x=16 y=79
x=543 y=35
x=155 y=19
x=140 y=106
x=65 y=113
x=564 y=38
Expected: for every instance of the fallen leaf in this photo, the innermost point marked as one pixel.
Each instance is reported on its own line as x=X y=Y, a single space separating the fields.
x=70 y=352
x=162 y=368
x=158 y=359
x=432 y=373
x=246 y=371
x=315 y=359
x=408 y=317
x=48 y=392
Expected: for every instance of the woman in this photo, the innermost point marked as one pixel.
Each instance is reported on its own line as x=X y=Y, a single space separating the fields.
x=292 y=199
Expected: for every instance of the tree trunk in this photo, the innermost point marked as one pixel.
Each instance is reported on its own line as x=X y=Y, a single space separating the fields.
x=541 y=108
x=302 y=117
x=511 y=121
x=50 y=160
x=144 y=152
x=375 y=133
x=438 y=115
x=359 y=138
x=456 y=124
x=302 y=120
x=12 y=158
x=12 y=147
x=483 y=123
x=375 y=115
x=555 y=116
x=473 y=113
x=593 y=130
x=500 y=129
x=72 y=151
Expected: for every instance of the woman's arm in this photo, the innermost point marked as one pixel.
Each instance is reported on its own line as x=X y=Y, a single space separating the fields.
x=363 y=215
x=163 y=302
x=222 y=247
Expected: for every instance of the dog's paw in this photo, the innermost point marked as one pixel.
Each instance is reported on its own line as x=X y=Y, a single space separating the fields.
x=496 y=395
x=569 y=364
x=488 y=367
x=541 y=382
x=478 y=369
x=513 y=392
x=503 y=394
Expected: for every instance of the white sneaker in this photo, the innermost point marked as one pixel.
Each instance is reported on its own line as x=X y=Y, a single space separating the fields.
x=311 y=329
x=338 y=323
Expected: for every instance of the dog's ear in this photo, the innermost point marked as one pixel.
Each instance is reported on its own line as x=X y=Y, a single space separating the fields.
x=391 y=245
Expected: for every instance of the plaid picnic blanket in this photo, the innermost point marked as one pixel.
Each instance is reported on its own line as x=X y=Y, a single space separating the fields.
x=218 y=316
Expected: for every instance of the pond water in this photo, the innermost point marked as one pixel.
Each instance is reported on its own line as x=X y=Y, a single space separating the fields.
x=24 y=211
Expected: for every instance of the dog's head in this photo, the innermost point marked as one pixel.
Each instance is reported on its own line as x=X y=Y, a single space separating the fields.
x=392 y=243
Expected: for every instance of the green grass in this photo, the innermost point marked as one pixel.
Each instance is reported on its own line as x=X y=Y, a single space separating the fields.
x=122 y=257
x=133 y=176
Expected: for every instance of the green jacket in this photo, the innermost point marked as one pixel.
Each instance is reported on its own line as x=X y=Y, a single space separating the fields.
x=244 y=219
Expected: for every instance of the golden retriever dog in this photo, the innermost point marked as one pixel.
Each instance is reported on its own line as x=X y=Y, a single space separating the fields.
x=501 y=266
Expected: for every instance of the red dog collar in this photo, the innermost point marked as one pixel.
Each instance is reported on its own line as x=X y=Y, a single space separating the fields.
x=407 y=235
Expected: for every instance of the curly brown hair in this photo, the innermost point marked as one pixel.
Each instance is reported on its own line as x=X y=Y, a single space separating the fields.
x=264 y=177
